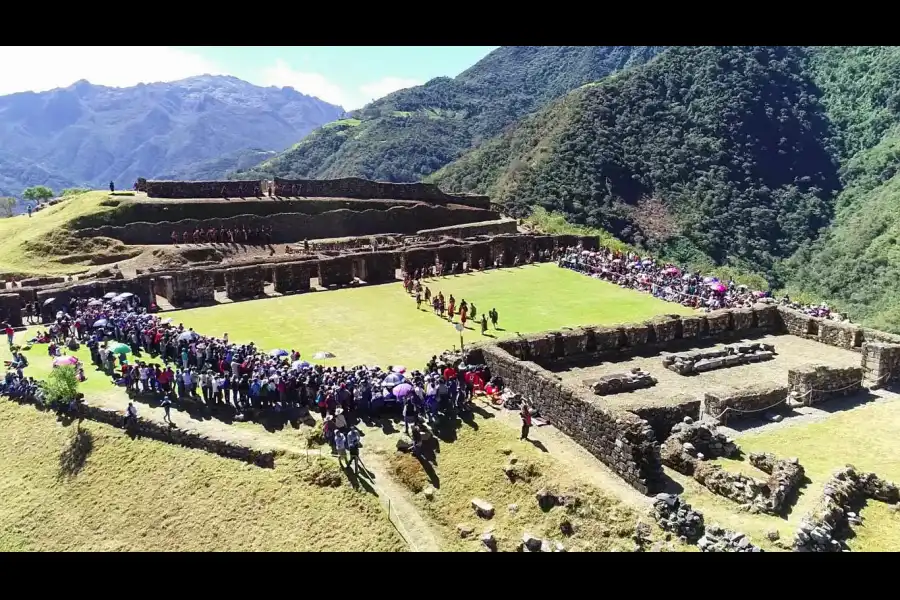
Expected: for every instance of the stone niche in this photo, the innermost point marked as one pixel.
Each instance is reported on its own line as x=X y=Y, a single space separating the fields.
x=448 y=255
x=243 y=283
x=417 y=258
x=749 y=401
x=817 y=383
x=375 y=267
x=293 y=277
x=164 y=285
x=194 y=286
x=11 y=309
x=476 y=252
x=336 y=271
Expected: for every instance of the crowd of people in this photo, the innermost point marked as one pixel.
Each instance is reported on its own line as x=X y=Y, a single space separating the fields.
x=254 y=236
x=153 y=358
x=673 y=284
x=414 y=286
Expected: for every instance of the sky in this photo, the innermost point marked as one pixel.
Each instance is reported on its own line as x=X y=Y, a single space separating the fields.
x=349 y=76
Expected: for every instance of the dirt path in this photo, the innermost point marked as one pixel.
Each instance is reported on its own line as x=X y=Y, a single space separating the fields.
x=580 y=463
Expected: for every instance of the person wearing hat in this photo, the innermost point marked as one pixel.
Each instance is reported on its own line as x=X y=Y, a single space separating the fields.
x=340 y=421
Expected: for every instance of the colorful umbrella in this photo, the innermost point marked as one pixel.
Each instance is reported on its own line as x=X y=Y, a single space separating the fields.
x=62 y=361
x=402 y=390
x=718 y=287
x=399 y=369
x=392 y=380
x=121 y=348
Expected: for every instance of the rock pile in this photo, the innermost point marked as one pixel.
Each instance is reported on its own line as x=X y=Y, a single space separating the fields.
x=531 y=543
x=692 y=442
x=701 y=361
x=785 y=476
x=678 y=517
x=547 y=499
x=745 y=490
x=623 y=382
x=833 y=513
x=717 y=539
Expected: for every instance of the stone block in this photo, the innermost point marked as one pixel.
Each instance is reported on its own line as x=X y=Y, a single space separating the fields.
x=719 y=323
x=636 y=335
x=743 y=319
x=294 y=276
x=767 y=318
x=608 y=338
x=796 y=322
x=880 y=363
x=243 y=283
x=192 y=287
x=840 y=335
x=11 y=309
x=666 y=329
x=817 y=383
x=692 y=327
x=478 y=252
x=747 y=401
x=575 y=342
x=336 y=271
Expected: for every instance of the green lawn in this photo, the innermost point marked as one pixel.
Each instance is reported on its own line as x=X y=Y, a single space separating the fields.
x=380 y=324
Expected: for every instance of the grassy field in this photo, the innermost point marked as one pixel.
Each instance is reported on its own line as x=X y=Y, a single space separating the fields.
x=380 y=324
x=19 y=235
x=90 y=487
x=864 y=436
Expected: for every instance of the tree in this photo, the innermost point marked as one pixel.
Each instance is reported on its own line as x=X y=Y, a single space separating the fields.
x=7 y=207
x=38 y=193
x=61 y=385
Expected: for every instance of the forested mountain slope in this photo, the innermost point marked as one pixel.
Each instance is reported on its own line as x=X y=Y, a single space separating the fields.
x=413 y=132
x=738 y=155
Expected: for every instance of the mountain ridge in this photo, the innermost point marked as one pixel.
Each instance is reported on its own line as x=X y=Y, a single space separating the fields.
x=87 y=134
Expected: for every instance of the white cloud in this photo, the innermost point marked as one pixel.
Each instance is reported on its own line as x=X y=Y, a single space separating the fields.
x=312 y=84
x=383 y=87
x=41 y=68
x=318 y=85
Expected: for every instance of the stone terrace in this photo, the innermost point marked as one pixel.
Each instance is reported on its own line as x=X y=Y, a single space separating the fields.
x=791 y=353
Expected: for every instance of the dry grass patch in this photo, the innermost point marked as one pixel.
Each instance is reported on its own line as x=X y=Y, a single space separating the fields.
x=94 y=489
x=474 y=466
x=408 y=471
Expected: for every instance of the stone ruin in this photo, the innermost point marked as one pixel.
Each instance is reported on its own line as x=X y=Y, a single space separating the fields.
x=717 y=539
x=677 y=517
x=692 y=442
x=817 y=383
x=622 y=382
x=847 y=489
x=700 y=361
x=730 y=404
x=691 y=445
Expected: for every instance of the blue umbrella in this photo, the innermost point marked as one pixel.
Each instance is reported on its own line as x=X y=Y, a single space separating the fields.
x=279 y=352
x=101 y=323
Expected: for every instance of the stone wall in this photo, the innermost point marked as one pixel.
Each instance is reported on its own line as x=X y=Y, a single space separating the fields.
x=750 y=400
x=243 y=283
x=336 y=271
x=294 y=227
x=41 y=281
x=139 y=286
x=880 y=363
x=476 y=252
x=833 y=333
x=192 y=287
x=663 y=418
x=817 y=383
x=590 y=344
x=11 y=309
x=417 y=258
x=294 y=276
x=353 y=187
x=619 y=439
x=467 y=231
x=202 y=189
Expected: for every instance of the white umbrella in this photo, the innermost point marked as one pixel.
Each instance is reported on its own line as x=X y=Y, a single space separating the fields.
x=321 y=355
x=299 y=364
x=188 y=336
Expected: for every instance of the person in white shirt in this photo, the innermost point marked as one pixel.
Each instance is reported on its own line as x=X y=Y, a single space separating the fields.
x=340 y=447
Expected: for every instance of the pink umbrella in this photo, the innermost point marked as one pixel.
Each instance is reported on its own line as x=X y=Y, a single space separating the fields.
x=718 y=287
x=402 y=390
x=672 y=271
x=64 y=360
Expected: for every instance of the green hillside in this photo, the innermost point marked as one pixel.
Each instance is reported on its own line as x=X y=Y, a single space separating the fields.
x=736 y=155
x=413 y=132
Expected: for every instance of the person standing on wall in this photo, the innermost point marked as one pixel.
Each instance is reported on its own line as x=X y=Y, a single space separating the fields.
x=112 y=186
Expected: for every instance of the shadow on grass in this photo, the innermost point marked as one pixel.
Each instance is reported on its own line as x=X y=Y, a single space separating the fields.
x=74 y=456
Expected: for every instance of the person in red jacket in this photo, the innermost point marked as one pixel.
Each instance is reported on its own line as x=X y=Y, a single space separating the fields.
x=526 y=421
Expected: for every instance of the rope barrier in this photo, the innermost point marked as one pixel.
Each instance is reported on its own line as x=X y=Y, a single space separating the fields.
x=803 y=395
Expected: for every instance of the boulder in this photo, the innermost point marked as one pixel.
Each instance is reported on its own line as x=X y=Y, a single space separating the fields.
x=483 y=509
